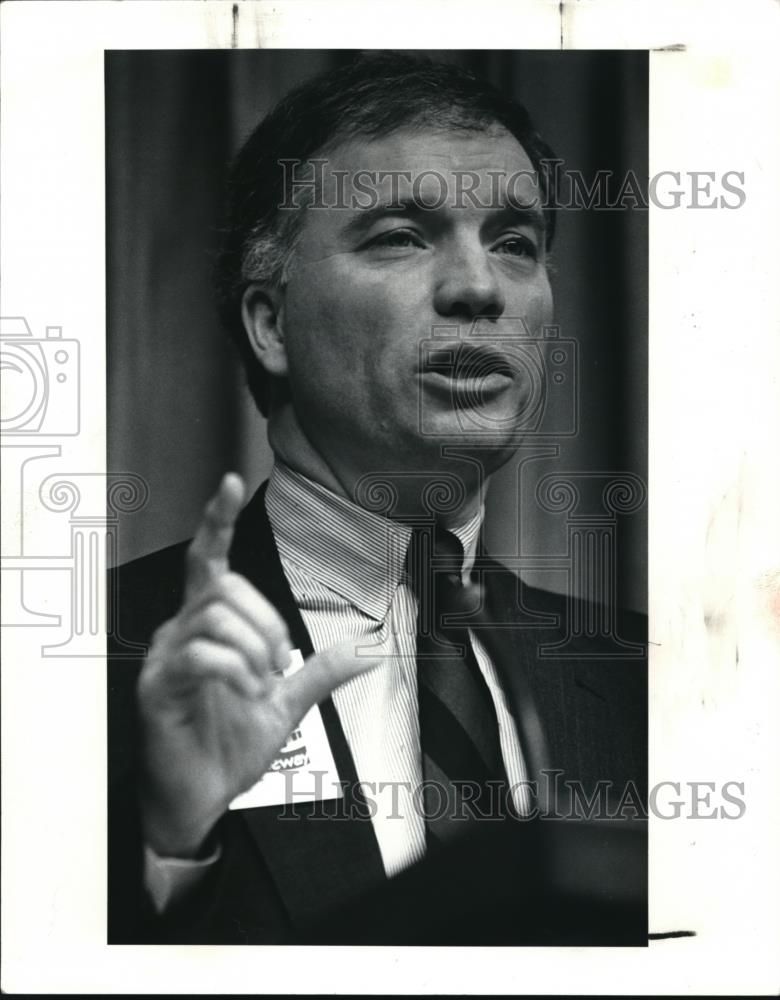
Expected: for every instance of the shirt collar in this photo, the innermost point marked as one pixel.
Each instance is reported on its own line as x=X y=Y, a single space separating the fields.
x=354 y=552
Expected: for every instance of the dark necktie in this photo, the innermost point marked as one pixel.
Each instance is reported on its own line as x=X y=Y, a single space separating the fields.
x=463 y=771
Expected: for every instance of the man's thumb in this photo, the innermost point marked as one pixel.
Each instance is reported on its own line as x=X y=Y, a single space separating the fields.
x=323 y=672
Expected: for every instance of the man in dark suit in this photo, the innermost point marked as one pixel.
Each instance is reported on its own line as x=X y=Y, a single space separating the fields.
x=386 y=246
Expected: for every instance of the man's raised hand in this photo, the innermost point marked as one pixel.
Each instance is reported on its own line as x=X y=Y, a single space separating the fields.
x=214 y=705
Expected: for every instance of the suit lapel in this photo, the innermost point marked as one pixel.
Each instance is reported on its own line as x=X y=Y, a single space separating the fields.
x=319 y=854
x=513 y=653
x=322 y=854
x=553 y=701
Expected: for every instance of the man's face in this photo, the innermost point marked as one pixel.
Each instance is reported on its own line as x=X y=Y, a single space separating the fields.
x=368 y=286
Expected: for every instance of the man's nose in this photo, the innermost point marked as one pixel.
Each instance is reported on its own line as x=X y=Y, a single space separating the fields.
x=467 y=284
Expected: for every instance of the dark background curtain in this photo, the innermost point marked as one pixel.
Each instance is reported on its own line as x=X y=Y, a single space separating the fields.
x=178 y=412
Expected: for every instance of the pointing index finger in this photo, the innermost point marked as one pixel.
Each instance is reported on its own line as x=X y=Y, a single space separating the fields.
x=207 y=557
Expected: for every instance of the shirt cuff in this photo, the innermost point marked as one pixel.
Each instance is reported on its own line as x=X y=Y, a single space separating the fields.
x=167 y=879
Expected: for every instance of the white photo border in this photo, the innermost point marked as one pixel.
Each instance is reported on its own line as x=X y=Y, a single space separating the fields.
x=713 y=475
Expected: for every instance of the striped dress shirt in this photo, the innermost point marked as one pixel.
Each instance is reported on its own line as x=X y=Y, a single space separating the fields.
x=346 y=568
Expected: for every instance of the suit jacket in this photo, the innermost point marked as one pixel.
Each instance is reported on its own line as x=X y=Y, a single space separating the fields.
x=280 y=880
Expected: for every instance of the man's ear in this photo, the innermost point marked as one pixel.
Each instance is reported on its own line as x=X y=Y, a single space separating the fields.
x=262 y=314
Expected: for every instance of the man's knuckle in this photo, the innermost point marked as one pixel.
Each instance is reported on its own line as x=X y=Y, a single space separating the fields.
x=194 y=555
x=277 y=627
x=232 y=582
x=261 y=650
x=212 y=616
x=194 y=654
x=211 y=512
x=147 y=679
x=274 y=626
x=162 y=633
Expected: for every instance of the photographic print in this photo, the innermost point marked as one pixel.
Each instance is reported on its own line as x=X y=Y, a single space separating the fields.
x=389 y=550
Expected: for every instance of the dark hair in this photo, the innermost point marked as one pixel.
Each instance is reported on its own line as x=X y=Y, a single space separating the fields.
x=374 y=95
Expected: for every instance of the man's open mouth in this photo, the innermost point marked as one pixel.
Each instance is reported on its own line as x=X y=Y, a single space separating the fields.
x=472 y=372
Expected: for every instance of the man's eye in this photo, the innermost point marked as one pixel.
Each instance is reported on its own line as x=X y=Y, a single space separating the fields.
x=519 y=246
x=397 y=238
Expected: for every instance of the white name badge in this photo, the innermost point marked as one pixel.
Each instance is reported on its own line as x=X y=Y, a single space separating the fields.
x=304 y=771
